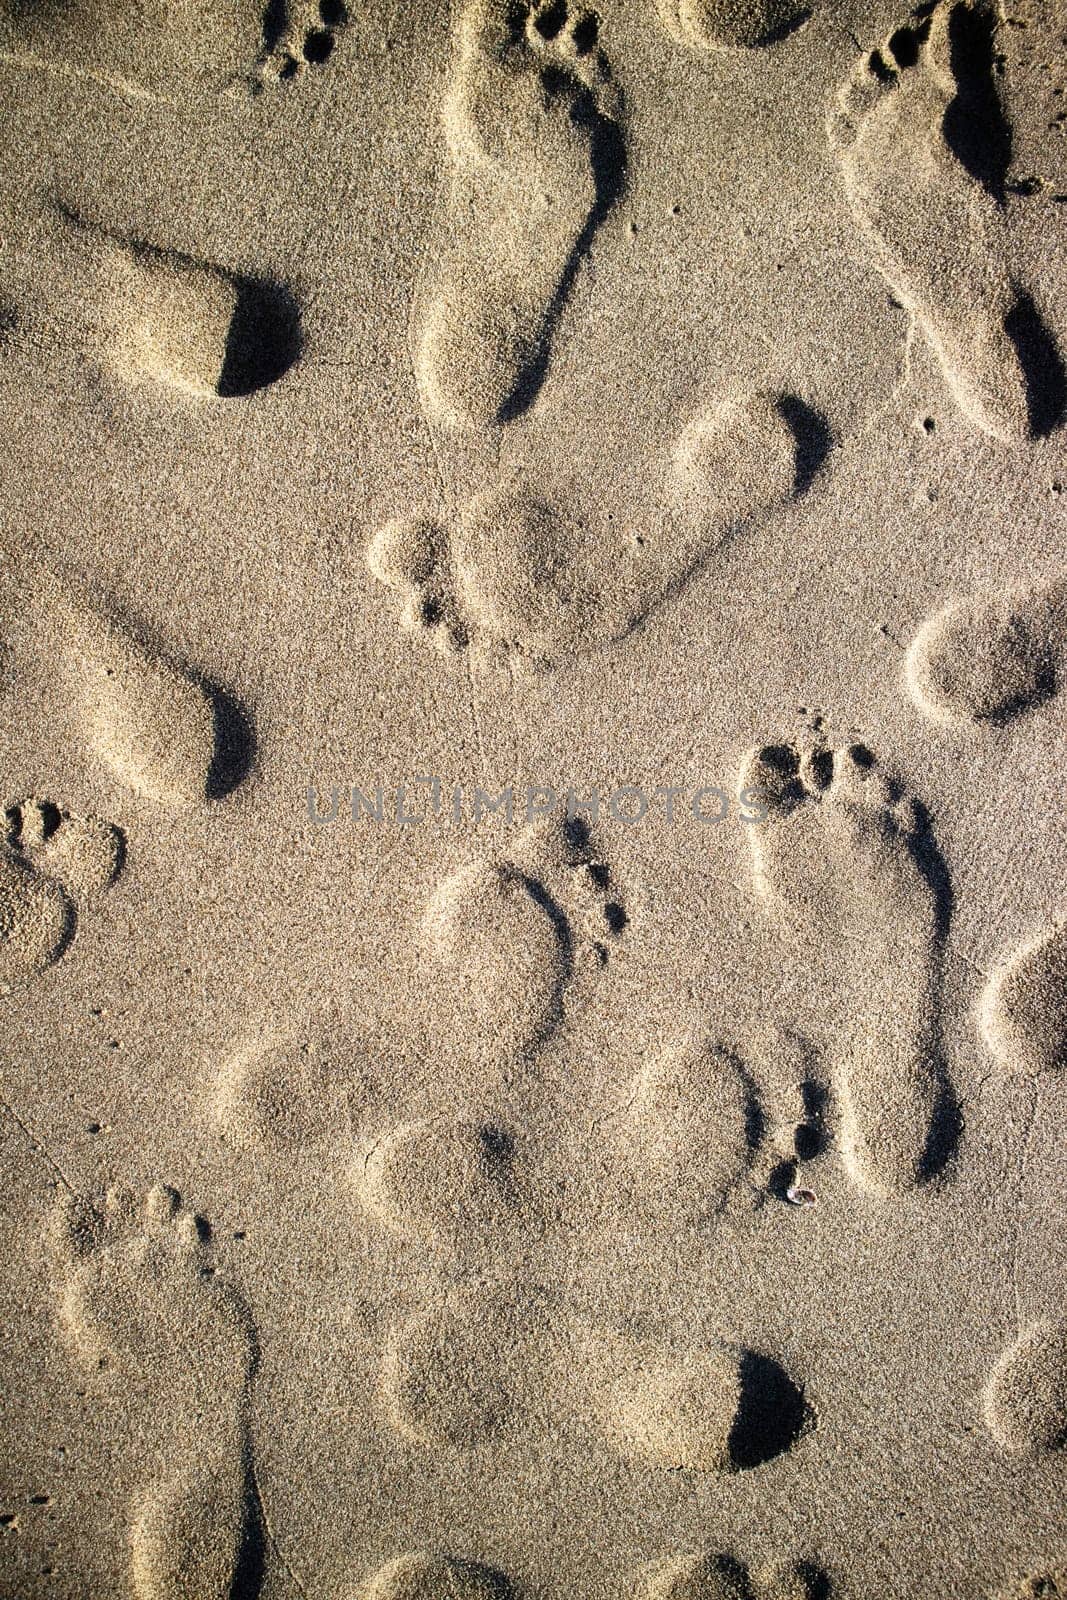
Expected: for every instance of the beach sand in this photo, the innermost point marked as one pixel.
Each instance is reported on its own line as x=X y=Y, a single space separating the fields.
x=648 y=419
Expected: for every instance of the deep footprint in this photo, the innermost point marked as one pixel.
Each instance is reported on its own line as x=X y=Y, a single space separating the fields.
x=306 y=36
x=924 y=152
x=990 y=658
x=483 y=1368
x=50 y=863
x=156 y=316
x=141 y=1306
x=843 y=858
x=536 y=163
x=503 y=940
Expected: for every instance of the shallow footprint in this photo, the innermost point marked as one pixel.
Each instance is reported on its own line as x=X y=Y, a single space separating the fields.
x=424 y=1575
x=1037 y=1586
x=842 y=858
x=990 y=657
x=730 y=24
x=455 y=1184
x=171 y=43
x=924 y=153
x=721 y=1576
x=1022 y=1015
x=165 y=731
x=481 y=1368
x=1025 y=1398
x=503 y=940
x=536 y=163
x=511 y=577
x=49 y=863
x=141 y=1305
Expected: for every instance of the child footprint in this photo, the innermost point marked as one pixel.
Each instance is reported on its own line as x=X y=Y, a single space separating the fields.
x=50 y=862
x=140 y=1303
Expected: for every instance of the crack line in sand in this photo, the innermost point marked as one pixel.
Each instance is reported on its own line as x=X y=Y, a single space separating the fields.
x=41 y=1148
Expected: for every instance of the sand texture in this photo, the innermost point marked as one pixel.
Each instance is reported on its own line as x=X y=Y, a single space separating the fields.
x=533 y=927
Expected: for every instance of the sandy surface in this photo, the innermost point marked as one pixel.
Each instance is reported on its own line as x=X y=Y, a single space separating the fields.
x=664 y=404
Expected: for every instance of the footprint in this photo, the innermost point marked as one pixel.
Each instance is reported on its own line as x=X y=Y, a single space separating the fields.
x=142 y=1305
x=205 y=47
x=512 y=578
x=480 y=1369
x=991 y=657
x=162 y=729
x=272 y=1091
x=49 y=863
x=423 y=1575
x=730 y=24
x=723 y=1577
x=504 y=940
x=306 y=37
x=842 y=858
x=453 y=1183
x=516 y=579
x=1022 y=1015
x=924 y=152
x=1025 y=1398
x=157 y=316
x=536 y=162
x=693 y=1129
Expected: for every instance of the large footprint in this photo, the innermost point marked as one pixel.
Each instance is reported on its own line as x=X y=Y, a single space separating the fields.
x=141 y=1304
x=924 y=152
x=50 y=862
x=838 y=858
x=483 y=1367
x=535 y=163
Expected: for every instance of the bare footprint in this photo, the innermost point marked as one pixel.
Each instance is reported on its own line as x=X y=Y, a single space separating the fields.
x=1037 y=1586
x=155 y=316
x=503 y=940
x=425 y=1575
x=164 y=730
x=1025 y=1397
x=456 y=1184
x=991 y=657
x=842 y=858
x=141 y=1306
x=512 y=578
x=50 y=864
x=481 y=1368
x=175 y=43
x=306 y=37
x=730 y=24
x=721 y=1576
x=1022 y=1014
x=536 y=162
x=701 y=1134
x=924 y=153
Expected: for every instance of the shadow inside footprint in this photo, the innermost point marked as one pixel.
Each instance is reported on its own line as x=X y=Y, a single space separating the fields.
x=771 y=1415
x=1042 y=367
x=812 y=435
x=264 y=339
x=234 y=747
x=975 y=127
x=607 y=157
x=251 y=1566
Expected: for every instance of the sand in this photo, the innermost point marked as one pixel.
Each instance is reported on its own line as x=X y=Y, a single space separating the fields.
x=533 y=959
